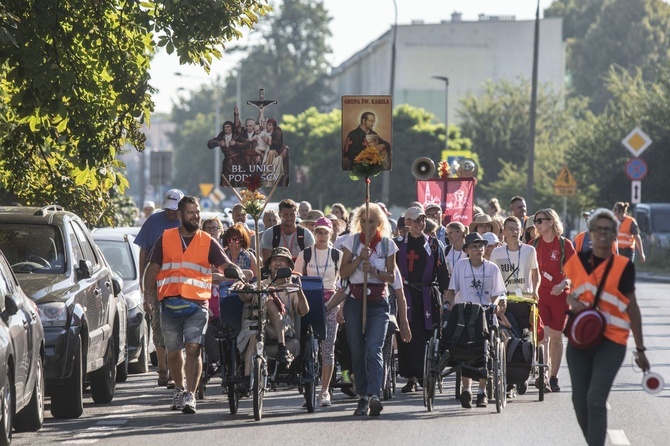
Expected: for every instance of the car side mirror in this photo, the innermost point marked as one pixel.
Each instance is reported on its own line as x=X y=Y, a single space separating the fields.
x=11 y=307
x=283 y=273
x=117 y=285
x=84 y=269
x=232 y=273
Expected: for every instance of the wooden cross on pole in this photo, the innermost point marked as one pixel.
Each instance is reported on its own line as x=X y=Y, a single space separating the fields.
x=261 y=103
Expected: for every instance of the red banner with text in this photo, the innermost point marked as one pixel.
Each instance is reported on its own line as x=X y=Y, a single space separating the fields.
x=454 y=195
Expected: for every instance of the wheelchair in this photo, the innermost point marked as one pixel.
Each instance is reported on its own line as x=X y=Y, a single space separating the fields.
x=388 y=351
x=482 y=358
x=266 y=373
x=525 y=312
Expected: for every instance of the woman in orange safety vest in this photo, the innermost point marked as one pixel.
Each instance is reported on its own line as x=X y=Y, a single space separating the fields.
x=628 y=236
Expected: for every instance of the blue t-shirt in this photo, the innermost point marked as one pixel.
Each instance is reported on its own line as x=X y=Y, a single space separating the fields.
x=153 y=228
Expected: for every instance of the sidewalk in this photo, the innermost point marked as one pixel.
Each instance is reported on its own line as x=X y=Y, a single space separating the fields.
x=649 y=276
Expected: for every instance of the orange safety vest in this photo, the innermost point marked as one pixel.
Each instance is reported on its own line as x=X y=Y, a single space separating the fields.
x=625 y=238
x=579 y=243
x=185 y=273
x=612 y=303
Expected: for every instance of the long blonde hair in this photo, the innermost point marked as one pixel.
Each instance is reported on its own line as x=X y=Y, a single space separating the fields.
x=550 y=213
x=358 y=214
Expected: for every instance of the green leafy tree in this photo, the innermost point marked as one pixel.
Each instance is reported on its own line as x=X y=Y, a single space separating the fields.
x=74 y=88
x=288 y=59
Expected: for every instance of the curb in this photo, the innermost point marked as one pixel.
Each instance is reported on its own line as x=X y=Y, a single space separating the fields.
x=652 y=277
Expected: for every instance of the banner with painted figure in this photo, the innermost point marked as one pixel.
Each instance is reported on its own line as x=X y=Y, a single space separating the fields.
x=455 y=196
x=253 y=147
x=366 y=122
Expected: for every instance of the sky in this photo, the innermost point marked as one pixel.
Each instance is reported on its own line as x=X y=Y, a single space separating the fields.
x=354 y=25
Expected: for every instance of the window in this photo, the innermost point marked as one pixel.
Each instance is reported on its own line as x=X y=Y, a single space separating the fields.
x=33 y=248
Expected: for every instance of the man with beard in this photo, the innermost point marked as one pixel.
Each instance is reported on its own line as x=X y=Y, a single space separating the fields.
x=287 y=234
x=357 y=140
x=179 y=279
x=228 y=141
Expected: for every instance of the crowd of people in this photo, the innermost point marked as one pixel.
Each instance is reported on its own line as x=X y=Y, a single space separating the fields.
x=362 y=256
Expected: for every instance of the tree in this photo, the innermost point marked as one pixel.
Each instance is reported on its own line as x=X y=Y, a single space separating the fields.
x=289 y=60
x=74 y=85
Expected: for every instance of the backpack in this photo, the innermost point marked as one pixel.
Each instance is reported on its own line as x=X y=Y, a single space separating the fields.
x=561 y=240
x=466 y=324
x=307 y=256
x=276 y=236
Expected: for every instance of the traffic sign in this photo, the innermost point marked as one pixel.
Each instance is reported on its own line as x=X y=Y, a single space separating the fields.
x=636 y=169
x=565 y=184
x=636 y=141
x=635 y=192
x=206 y=204
x=205 y=189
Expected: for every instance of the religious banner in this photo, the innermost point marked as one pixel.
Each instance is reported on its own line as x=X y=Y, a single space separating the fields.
x=366 y=122
x=253 y=149
x=455 y=196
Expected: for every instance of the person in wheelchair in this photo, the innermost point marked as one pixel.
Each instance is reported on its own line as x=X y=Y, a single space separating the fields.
x=282 y=310
x=477 y=280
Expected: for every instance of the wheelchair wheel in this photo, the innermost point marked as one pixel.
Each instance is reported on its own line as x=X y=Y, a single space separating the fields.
x=204 y=376
x=310 y=373
x=540 y=369
x=457 y=385
x=499 y=388
x=431 y=371
x=230 y=369
x=258 y=386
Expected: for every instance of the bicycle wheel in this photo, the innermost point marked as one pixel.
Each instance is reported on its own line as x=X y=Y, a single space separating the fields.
x=258 y=386
x=230 y=369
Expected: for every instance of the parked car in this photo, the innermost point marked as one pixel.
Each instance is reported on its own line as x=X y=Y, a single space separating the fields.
x=653 y=220
x=21 y=358
x=62 y=270
x=117 y=244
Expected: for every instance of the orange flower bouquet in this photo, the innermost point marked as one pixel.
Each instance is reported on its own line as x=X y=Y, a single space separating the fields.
x=368 y=163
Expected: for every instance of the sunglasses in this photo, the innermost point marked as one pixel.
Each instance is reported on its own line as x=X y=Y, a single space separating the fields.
x=234 y=240
x=538 y=221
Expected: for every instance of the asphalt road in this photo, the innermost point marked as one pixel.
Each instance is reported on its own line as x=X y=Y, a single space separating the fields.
x=139 y=414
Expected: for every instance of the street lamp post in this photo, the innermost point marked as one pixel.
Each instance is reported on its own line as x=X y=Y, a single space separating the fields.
x=386 y=175
x=446 y=106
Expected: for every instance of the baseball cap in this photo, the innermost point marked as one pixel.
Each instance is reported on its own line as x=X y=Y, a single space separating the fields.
x=490 y=238
x=413 y=213
x=172 y=199
x=432 y=206
x=149 y=204
x=323 y=223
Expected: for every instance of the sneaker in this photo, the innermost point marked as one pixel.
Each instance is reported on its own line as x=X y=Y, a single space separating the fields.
x=547 y=388
x=284 y=357
x=325 y=399
x=189 y=403
x=511 y=391
x=362 y=408
x=466 y=399
x=170 y=384
x=521 y=388
x=376 y=406
x=163 y=378
x=177 y=400
x=482 y=400
x=244 y=387
x=409 y=387
x=553 y=384
x=346 y=379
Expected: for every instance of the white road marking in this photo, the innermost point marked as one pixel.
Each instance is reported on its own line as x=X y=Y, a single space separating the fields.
x=92 y=435
x=80 y=441
x=617 y=437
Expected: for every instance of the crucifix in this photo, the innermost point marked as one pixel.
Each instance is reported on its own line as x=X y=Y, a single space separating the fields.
x=411 y=257
x=261 y=103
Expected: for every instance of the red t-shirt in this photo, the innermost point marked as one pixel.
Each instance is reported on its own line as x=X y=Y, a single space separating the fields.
x=549 y=261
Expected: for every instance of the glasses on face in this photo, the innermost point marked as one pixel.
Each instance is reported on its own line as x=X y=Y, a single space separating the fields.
x=538 y=221
x=213 y=228
x=234 y=240
x=603 y=229
x=433 y=215
x=478 y=246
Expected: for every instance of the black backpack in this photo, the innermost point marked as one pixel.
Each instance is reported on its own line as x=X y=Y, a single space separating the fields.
x=466 y=337
x=276 y=236
x=307 y=256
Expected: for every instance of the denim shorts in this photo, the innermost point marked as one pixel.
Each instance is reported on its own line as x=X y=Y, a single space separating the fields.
x=178 y=331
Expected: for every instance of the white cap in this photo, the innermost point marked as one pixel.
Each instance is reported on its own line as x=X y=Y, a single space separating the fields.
x=149 y=204
x=491 y=238
x=172 y=199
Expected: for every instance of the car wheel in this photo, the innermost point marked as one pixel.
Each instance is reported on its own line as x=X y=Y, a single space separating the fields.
x=67 y=399
x=7 y=408
x=122 y=369
x=31 y=417
x=142 y=364
x=103 y=380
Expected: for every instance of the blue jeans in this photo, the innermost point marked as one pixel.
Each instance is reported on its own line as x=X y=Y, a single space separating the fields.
x=366 y=349
x=592 y=372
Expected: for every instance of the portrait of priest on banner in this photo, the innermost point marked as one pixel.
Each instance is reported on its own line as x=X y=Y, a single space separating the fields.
x=366 y=122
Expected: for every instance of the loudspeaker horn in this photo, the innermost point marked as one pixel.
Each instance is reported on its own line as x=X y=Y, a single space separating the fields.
x=423 y=168
x=467 y=168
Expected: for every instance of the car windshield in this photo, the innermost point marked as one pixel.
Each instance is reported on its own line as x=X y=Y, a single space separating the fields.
x=119 y=257
x=660 y=220
x=33 y=248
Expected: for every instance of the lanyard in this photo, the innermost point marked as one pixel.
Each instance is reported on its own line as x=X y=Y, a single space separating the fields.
x=515 y=271
x=479 y=287
x=454 y=259
x=316 y=263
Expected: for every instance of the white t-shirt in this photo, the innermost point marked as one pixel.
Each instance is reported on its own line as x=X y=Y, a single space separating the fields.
x=288 y=241
x=516 y=267
x=480 y=284
x=376 y=258
x=452 y=257
x=320 y=265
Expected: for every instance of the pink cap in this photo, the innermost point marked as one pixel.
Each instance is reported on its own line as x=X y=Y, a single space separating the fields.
x=323 y=223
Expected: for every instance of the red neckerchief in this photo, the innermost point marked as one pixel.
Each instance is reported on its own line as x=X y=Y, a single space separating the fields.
x=375 y=240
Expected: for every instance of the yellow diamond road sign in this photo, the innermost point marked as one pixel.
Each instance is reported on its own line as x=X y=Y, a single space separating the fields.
x=636 y=142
